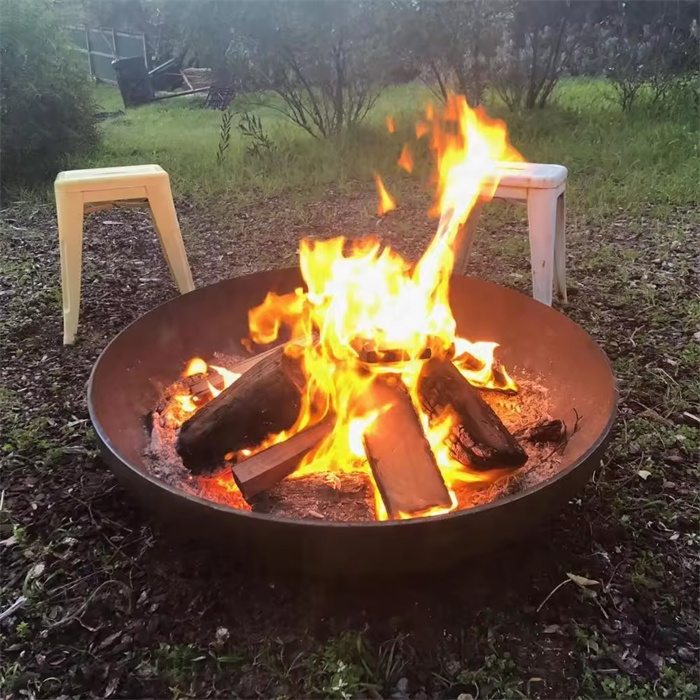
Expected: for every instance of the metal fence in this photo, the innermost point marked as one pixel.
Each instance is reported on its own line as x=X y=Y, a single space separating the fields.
x=102 y=46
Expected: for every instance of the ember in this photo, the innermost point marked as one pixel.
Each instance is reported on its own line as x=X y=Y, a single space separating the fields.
x=380 y=384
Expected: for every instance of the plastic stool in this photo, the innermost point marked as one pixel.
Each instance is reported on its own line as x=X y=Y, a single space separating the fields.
x=83 y=191
x=542 y=187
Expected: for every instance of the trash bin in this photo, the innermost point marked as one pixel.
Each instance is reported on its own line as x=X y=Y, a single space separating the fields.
x=133 y=80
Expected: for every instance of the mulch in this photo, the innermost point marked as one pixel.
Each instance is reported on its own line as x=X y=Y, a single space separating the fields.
x=113 y=608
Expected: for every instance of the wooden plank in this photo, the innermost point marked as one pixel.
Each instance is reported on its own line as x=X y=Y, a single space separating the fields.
x=403 y=465
x=484 y=439
x=265 y=469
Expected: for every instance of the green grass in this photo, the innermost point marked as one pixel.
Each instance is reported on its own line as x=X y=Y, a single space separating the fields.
x=616 y=161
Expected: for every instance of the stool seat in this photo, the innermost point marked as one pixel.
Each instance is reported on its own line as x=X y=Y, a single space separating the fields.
x=533 y=176
x=101 y=178
x=81 y=191
x=542 y=187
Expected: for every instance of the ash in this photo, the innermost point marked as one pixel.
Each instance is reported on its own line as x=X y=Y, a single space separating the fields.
x=349 y=497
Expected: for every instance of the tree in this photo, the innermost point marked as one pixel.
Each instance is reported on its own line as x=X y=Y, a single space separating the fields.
x=326 y=61
x=46 y=105
x=452 y=43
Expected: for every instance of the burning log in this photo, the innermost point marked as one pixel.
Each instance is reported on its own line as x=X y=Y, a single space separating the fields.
x=264 y=400
x=264 y=469
x=483 y=437
x=199 y=383
x=403 y=465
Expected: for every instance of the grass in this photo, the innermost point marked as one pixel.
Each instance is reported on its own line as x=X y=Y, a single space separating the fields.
x=616 y=162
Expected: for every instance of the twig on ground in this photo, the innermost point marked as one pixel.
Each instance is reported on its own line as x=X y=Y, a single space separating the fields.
x=19 y=603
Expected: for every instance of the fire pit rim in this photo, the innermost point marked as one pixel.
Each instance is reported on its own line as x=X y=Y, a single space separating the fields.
x=601 y=440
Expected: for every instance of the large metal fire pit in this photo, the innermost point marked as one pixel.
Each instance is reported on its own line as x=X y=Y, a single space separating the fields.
x=536 y=342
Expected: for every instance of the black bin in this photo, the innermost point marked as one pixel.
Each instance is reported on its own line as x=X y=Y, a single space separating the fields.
x=133 y=80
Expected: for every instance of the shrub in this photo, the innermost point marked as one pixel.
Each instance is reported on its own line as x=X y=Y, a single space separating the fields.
x=46 y=107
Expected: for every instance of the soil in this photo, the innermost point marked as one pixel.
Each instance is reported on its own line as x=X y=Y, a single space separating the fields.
x=96 y=600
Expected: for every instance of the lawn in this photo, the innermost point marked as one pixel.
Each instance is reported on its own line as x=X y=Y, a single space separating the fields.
x=112 y=608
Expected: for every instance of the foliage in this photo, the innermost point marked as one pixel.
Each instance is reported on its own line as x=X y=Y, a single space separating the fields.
x=451 y=44
x=47 y=111
x=533 y=53
x=250 y=125
x=325 y=60
x=659 y=58
x=224 y=136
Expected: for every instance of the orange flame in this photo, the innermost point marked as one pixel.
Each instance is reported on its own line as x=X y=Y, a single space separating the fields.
x=405 y=160
x=386 y=201
x=361 y=294
x=390 y=125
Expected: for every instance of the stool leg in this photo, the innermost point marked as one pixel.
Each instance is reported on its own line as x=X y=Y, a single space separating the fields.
x=560 y=249
x=165 y=222
x=69 y=211
x=466 y=238
x=542 y=221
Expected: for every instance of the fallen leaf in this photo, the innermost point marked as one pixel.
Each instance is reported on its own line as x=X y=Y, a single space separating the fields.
x=582 y=581
x=36 y=571
x=644 y=474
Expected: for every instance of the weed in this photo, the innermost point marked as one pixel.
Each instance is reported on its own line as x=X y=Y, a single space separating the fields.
x=224 y=136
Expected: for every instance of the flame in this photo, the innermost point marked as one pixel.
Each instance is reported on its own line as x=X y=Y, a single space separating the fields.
x=386 y=201
x=371 y=313
x=195 y=366
x=405 y=160
x=362 y=295
x=390 y=125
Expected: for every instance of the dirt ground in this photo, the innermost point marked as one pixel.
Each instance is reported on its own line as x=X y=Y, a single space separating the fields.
x=602 y=602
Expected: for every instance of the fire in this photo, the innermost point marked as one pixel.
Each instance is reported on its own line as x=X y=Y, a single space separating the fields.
x=365 y=303
x=361 y=294
x=390 y=125
x=386 y=201
x=405 y=160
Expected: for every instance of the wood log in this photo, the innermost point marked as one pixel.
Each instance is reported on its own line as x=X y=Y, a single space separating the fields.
x=484 y=440
x=264 y=400
x=199 y=383
x=403 y=465
x=265 y=469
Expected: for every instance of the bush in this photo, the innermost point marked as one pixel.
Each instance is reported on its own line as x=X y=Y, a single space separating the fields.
x=46 y=107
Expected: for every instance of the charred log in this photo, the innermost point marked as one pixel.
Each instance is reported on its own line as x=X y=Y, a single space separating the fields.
x=482 y=437
x=403 y=465
x=546 y=431
x=264 y=400
x=268 y=467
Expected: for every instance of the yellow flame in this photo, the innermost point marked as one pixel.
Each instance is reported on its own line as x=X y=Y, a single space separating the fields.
x=363 y=295
x=386 y=201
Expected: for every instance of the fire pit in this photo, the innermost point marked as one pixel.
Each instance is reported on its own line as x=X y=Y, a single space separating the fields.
x=378 y=437
x=536 y=341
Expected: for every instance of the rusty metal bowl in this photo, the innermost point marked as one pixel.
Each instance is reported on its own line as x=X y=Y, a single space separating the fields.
x=536 y=342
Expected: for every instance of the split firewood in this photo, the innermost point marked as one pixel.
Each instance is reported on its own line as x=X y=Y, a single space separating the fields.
x=482 y=437
x=403 y=465
x=268 y=467
x=264 y=400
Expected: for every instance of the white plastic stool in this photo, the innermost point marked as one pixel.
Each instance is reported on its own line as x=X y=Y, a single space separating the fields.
x=542 y=187
x=83 y=191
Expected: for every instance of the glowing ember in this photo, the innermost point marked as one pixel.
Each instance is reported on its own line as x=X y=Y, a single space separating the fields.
x=361 y=293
